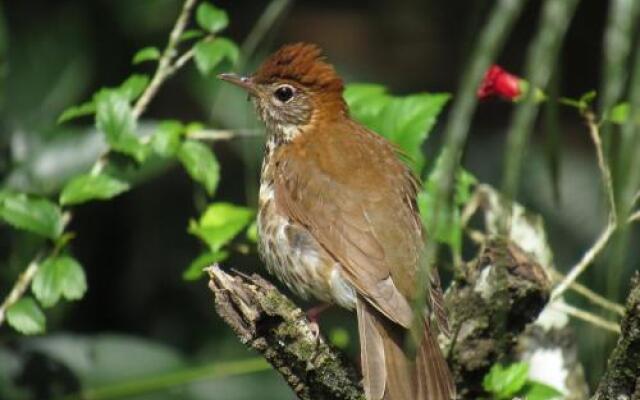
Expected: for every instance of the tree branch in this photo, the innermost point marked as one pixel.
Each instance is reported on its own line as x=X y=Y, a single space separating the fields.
x=267 y=321
x=489 y=307
x=621 y=380
x=499 y=294
x=20 y=287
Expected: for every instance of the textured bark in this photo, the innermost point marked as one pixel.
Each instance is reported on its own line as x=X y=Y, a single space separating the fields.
x=267 y=321
x=621 y=380
x=499 y=294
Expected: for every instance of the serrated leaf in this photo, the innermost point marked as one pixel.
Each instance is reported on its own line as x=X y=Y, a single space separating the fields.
x=115 y=119
x=166 y=138
x=195 y=270
x=405 y=120
x=59 y=277
x=220 y=223
x=84 y=109
x=87 y=187
x=200 y=163
x=26 y=317
x=504 y=382
x=36 y=215
x=209 y=53
x=211 y=18
x=539 y=391
x=133 y=87
x=146 y=54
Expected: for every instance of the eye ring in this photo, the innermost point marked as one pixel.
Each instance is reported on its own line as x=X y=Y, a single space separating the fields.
x=283 y=93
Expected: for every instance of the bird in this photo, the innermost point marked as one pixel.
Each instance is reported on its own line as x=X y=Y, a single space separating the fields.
x=338 y=221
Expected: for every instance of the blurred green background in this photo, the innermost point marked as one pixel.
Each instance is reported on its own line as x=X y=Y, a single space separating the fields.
x=139 y=318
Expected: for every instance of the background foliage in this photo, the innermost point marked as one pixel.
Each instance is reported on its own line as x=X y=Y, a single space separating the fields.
x=117 y=202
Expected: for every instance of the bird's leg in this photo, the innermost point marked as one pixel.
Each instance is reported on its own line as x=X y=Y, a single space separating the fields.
x=313 y=315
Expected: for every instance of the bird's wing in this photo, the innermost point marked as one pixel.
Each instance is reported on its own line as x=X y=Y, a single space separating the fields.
x=358 y=200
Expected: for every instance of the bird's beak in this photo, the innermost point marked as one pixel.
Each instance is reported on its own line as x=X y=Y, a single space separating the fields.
x=244 y=82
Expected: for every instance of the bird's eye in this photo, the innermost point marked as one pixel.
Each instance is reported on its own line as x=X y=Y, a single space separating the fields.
x=283 y=93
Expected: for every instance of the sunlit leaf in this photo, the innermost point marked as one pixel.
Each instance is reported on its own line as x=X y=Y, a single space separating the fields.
x=166 y=138
x=57 y=277
x=87 y=187
x=84 y=109
x=37 y=215
x=200 y=163
x=115 y=120
x=540 y=391
x=26 y=317
x=504 y=382
x=210 y=53
x=133 y=87
x=220 y=223
x=405 y=120
x=195 y=270
x=252 y=232
x=211 y=18
x=146 y=54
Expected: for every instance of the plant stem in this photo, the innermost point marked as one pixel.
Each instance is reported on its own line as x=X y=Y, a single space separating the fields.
x=612 y=223
x=20 y=287
x=164 y=64
x=541 y=56
x=592 y=296
x=586 y=316
x=155 y=383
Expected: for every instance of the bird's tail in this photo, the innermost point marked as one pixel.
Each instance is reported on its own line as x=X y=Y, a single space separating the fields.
x=389 y=372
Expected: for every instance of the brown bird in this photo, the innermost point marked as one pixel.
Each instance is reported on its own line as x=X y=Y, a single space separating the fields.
x=338 y=220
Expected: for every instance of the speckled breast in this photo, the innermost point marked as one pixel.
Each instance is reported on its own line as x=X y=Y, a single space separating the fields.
x=292 y=254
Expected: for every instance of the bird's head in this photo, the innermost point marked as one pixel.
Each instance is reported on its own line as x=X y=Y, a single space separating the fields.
x=293 y=89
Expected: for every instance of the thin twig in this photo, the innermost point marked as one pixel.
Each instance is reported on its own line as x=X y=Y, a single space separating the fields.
x=164 y=64
x=612 y=222
x=166 y=68
x=586 y=316
x=634 y=217
x=21 y=286
x=592 y=296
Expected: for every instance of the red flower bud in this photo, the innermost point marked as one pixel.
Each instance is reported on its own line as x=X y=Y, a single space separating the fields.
x=498 y=82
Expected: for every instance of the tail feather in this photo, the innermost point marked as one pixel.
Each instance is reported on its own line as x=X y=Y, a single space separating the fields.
x=388 y=371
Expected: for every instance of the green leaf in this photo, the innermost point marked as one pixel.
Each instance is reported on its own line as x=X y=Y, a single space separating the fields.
x=211 y=18
x=220 y=223
x=208 y=54
x=36 y=215
x=201 y=164
x=405 y=120
x=166 y=139
x=196 y=268
x=339 y=337
x=588 y=97
x=26 y=317
x=191 y=34
x=619 y=113
x=504 y=382
x=146 y=54
x=447 y=223
x=540 y=391
x=252 y=232
x=59 y=277
x=87 y=187
x=133 y=87
x=84 y=109
x=115 y=119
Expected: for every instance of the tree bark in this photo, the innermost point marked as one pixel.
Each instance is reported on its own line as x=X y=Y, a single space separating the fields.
x=621 y=379
x=489 y=305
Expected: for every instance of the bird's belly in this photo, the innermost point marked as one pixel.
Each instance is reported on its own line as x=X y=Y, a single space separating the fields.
x=292 y=254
